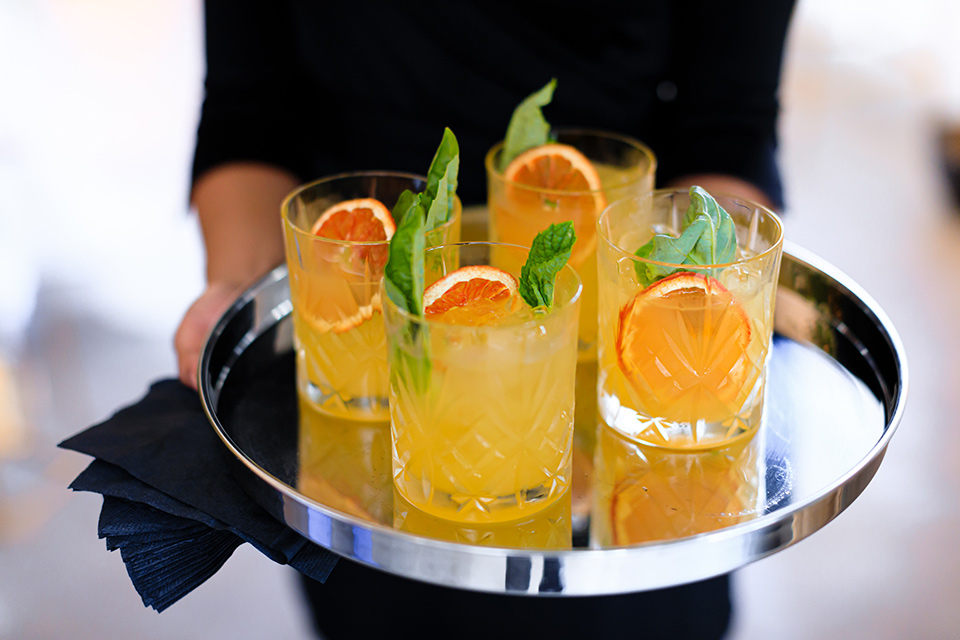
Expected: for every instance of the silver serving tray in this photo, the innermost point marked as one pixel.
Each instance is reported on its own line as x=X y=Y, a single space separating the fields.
x=837 y=385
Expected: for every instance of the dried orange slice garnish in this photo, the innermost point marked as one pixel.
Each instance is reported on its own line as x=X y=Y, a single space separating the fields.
x=339 y=298
x=475 y=295
x=339 y=311
x=360 y=220
x=560 y=167
x=682 y=346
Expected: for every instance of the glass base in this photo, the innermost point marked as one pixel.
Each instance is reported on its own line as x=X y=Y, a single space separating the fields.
x=660 y=432
x=479 y=509
x=367 y=409
x=548 y=528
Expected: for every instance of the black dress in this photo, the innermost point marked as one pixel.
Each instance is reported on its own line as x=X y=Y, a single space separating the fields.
x=320 y=87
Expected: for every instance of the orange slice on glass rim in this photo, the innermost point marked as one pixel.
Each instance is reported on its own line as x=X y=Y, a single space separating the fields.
x=552 y=168
x=332 y=296
x=682 y=346
x=359 y=220
x=475 y=295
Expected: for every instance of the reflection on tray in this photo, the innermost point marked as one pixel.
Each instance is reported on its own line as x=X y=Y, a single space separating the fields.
x=548 y=528
x=644 y=493
x=639 y=493
x=345 y=464
x=624 y=493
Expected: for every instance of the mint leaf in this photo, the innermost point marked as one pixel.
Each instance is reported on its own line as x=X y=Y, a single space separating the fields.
x=403 y=280
x=416 y=215
x=410 y=364
x=404 y=202
x=528 y=128
x=708 y=237
x=441 y=208
x=403 y=273
x=665 y=248
x=448 y=153
x=718 y=243
x=548 y=253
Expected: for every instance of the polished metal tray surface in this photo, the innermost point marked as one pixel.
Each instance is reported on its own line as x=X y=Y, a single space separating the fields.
x=836 y=390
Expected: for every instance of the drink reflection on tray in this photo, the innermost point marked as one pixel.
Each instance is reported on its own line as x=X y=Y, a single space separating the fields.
x=549 y=528
x=640 y=493
x=345 y=464
x=645 y=493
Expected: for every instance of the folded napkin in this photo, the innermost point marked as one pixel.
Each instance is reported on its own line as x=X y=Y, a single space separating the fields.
x=171 y=505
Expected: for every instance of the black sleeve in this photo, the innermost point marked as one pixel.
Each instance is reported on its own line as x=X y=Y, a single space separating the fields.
x=726 y=70
x=252 y=109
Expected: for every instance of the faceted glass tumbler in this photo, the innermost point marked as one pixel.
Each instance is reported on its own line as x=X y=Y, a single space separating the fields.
x=339 y=339
x=682 y=361
x=482 y=416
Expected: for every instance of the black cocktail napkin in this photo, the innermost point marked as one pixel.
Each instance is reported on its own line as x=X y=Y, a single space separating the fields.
x=171 y=505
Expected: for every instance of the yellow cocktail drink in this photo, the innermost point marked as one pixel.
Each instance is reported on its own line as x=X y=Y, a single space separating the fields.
x=684 y=346
x=337 y=233
x=551 y=184
x=482 y=396
x=340 y=342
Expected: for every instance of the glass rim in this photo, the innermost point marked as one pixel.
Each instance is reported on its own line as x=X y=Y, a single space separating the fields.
x=300 y=189
x=409 y=317
x=630 y=141
x=776 y=245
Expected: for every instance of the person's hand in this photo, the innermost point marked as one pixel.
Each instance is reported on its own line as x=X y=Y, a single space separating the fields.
x=238 y=205
x=196 y=325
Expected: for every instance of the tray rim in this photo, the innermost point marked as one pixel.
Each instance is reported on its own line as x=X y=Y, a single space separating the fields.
x=839 y=494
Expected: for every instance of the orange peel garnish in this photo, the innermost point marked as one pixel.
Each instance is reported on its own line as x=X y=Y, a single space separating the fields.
x=681 y=344
x=466 y=285
x=333 y=305
x=473 y=296
x=554 y=168
x=358 y=220
x=360 y=314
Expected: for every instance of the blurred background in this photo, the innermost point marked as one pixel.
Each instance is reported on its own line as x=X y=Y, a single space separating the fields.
x=100 y=258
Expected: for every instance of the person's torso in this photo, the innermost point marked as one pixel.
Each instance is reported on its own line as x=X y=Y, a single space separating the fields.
x=387 y=77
